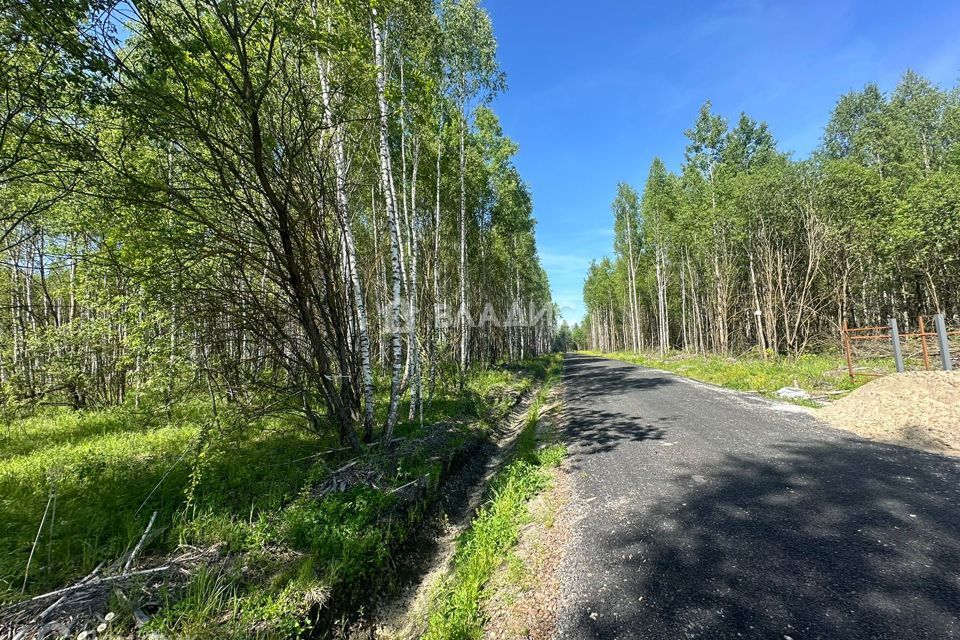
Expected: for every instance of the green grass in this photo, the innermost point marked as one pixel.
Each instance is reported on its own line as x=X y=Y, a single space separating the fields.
x=457 y=611
x=812 y=372
x=103 y=474
x=100 y=474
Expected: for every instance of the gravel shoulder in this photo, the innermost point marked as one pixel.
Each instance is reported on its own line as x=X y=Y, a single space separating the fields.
x=525 y=591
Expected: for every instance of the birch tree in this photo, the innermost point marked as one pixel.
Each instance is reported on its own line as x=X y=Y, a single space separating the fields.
x=627 y=233
x=757 y=250
x=469 y=55
x=342 y=207
x=386 y=182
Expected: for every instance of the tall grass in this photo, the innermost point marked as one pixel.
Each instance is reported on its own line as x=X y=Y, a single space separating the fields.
x=249 y=489
x=104 y=474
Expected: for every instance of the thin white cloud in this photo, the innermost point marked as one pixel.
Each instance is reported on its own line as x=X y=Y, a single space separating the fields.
x=564 y=262
x=602 y=232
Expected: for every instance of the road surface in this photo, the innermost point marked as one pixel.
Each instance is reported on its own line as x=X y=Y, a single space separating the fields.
x=706 y=513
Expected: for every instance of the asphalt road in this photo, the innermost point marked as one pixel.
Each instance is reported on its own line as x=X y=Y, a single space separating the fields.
x=705 y=513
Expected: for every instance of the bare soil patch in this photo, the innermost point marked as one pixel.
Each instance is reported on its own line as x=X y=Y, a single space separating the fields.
x=920 y=409
x=526 y=589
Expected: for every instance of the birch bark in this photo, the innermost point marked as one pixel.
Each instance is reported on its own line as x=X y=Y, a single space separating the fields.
x=464 y=328
x=386 y=179
x=349 y=249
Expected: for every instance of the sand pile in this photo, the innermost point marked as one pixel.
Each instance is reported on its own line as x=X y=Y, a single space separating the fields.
x=919 y=409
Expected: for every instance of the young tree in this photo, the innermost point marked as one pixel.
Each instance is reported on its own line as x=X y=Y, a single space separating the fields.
x=469 y=56
x=627 y=233
x=659 y=209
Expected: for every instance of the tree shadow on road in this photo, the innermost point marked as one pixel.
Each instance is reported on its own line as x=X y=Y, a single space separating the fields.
x=592 y=431
x=846 y=539
x=588 y=377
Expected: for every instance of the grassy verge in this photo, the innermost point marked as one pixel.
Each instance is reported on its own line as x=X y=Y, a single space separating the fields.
x=288 y=552
x=812 y=372
x=483 y=547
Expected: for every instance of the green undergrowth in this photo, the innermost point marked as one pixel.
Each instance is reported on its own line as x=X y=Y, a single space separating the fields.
x=99 y=475
x=811 y=372
x=457 y=609
x=286 y=559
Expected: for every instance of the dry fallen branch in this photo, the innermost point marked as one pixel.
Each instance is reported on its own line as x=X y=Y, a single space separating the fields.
x=79 y=603
x=136 y=549
x=43 y=520
x=99 y=582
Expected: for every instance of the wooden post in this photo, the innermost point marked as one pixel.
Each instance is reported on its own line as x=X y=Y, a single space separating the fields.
x=923 y=344
x=846 y=348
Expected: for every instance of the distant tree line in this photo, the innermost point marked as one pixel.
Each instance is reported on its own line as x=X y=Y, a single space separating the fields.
x=269 y=202
x=747 y=248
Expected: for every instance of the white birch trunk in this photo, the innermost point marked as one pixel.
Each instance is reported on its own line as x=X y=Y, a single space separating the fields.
x=436 y=273
x=632 y=282
x=350 y=252
x=464 y=329
x=386 y=178
x=413 y=342
x=662 y=319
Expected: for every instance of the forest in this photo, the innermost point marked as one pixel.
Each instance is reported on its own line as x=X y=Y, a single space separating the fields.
x=268 y=203
x=244 y=243
x=747 y=248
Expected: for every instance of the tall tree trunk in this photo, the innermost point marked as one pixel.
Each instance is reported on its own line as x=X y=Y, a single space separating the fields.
x=757 y=314
x=407 y=234
x=464 y=328
x=632 y=283
x=683 y=304
x=386 y=179
x=435 y=329
x=413 y=342
x=663 y=320
x=350 y=253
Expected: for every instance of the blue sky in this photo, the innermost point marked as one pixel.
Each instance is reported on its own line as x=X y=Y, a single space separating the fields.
x=597 y=89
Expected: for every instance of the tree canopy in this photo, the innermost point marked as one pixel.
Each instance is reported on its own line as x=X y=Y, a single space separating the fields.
x=746 y=247
x=277 y=204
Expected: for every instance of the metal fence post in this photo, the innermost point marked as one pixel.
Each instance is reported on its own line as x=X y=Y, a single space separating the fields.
x=943 y=341
x=895 y=335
